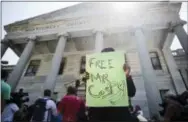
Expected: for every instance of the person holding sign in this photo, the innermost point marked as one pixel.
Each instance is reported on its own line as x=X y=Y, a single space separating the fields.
x=109 y=87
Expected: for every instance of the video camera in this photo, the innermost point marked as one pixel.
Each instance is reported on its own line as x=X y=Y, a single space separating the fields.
x=19 y=97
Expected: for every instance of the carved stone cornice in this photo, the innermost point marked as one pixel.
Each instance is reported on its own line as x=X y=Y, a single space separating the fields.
x=56 y=20
x=123 y=22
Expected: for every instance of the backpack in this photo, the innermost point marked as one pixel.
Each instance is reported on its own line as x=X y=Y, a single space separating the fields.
x=39 y=110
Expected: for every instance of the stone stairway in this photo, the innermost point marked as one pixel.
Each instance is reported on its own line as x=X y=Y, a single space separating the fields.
x=81 y=91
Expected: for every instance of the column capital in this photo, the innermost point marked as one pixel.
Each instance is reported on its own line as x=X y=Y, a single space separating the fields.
x=32 y=38
x=174 y=24
x=64 y=34
x=94 y=31
x=5 y=41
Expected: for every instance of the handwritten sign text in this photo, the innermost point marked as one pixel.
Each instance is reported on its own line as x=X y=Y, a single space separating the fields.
x=107 y=83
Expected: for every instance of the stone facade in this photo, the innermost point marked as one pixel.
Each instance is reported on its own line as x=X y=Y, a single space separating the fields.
x=87 y=28
x=182 y=62
x=33 y=85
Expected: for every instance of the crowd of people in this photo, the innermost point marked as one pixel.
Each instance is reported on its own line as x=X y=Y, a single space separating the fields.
x=71 y=108
x=175 y=107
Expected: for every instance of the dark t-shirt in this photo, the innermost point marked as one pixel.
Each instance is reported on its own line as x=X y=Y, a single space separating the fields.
x=114 y=113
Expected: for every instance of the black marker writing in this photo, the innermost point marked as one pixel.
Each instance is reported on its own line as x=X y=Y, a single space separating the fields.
x=109 y=63
x=101 y=64
x=91 y=61
x=94 y=95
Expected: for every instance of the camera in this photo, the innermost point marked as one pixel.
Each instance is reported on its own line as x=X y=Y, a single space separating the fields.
x=20 y=97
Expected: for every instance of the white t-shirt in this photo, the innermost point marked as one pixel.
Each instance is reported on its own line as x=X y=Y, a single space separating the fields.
x=8 y=112
x=50 y=105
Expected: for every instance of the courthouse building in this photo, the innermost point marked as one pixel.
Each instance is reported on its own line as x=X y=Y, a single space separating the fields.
x=52 y=48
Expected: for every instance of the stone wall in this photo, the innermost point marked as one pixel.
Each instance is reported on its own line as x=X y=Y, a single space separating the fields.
x=163 y=78
x=34 y=85
x=182 y=63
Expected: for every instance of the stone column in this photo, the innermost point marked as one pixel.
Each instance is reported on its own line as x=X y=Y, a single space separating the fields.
x=172 y=66
x=150 y=79
x=14 y=77
x=180 y=32
x=4 y=46
x=98 y=41
x=56 y=61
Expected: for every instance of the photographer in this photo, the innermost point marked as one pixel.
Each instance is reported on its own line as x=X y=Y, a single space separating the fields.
x=20 y=97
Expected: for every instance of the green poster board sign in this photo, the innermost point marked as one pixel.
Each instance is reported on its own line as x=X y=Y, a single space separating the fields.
x=107 y=84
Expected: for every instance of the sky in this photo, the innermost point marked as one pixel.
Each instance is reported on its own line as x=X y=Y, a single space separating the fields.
x=16 y=11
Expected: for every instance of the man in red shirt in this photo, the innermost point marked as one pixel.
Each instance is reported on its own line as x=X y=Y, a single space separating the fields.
x=71 y=106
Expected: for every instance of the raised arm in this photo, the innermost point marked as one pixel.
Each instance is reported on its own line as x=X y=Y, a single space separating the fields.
x=130 y=84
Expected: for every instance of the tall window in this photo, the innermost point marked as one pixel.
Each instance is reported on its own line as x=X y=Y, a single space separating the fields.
x=155 y=61
x=62 y=66
x=186 y=70
x=33 y=68
x=82 y=64
x=163 y=92
x=183 y=78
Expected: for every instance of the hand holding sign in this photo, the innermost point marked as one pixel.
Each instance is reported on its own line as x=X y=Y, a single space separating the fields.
x=127 y=69
x=106 y=85
x=85 y=76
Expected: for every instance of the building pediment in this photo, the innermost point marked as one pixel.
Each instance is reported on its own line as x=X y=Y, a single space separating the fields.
x=91 y=15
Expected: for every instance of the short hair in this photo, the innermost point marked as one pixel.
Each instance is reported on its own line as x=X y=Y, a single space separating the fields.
x=4 y=74
x=108 y=49
x=21 y=90
x=71 y=90
x=126 y=66
x=47 y=92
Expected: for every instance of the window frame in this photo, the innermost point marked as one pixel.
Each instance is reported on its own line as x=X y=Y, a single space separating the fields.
x=156 y=57
x=161 y=94
x=183 y=79
x=27 y=74
x=82 y=62
x=62 y=66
